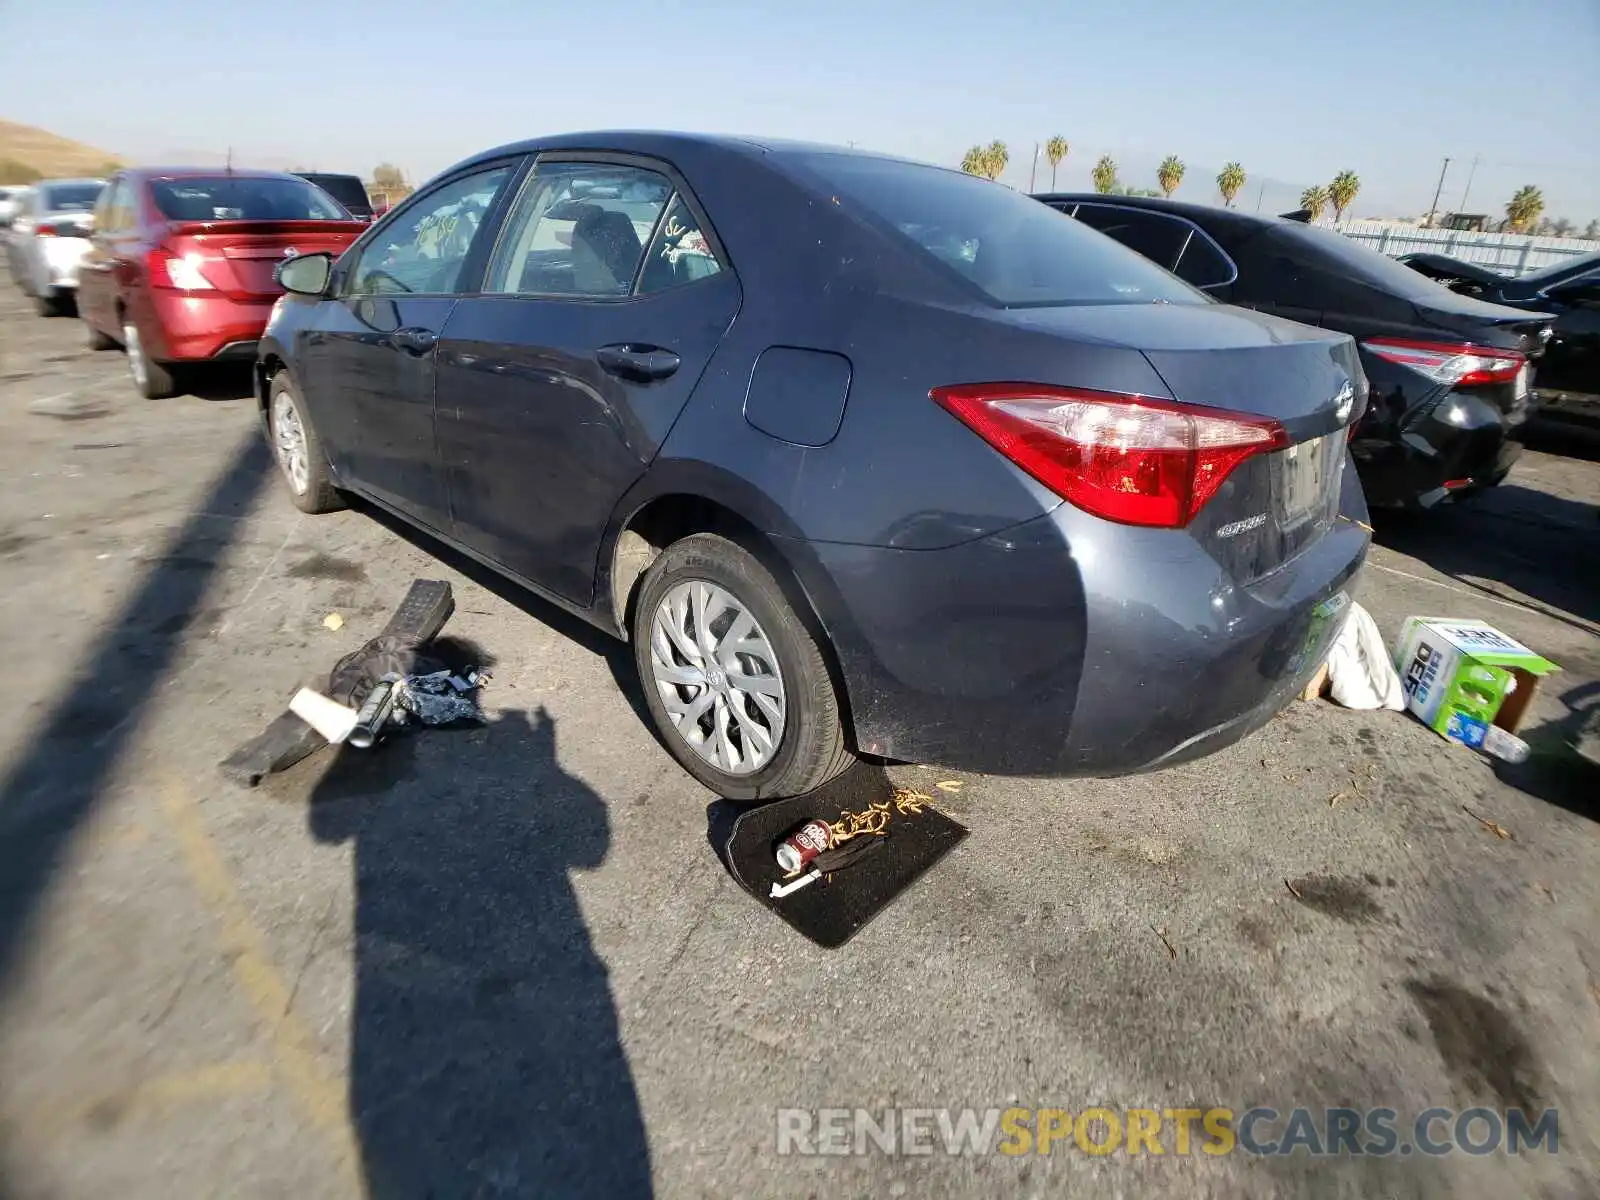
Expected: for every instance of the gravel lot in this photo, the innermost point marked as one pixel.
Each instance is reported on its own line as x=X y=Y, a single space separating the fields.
x=514 y=955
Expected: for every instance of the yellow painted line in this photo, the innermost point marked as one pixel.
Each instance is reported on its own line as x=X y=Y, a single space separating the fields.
x=145 y=1097
x=294 y=1049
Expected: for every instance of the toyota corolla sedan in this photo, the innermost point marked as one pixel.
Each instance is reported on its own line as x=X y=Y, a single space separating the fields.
x=861 y=455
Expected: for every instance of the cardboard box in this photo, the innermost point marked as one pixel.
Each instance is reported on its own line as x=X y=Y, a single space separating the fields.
x=1460 y=677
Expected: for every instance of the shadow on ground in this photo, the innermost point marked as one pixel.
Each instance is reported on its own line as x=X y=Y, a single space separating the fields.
x=1541 y=546
x=485 y=1052
x=1563 y=766
x=56 y=784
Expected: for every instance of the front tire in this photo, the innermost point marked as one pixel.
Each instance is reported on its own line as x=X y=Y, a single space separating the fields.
x=734 y=679
x=152 y=380
x=295 y=444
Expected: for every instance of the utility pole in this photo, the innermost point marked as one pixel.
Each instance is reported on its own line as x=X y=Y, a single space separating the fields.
x=1436 y=191
x=1033 y=170
x=1473 y=171
x=1260 y=192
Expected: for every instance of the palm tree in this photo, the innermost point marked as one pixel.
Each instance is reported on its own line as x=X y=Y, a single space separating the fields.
x=1315 y=201
x=1562 y=227
x=972 y=161
x=1592 y=229
x=995 y=158
x=1055 y=150
x=1170 y=174
x=1229 y=182
x=1342 y=191
x=1525 y=207
x=1104 y=175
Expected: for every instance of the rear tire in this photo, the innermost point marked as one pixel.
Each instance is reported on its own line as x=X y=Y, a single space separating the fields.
x=152 y=380
x=48 y=304
x=298 y=450
x=699 y=596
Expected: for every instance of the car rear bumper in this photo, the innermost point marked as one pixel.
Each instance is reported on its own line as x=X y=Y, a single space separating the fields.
x=1464 y=443
x=60 y=258
x=194 y=328
x=1072 y=646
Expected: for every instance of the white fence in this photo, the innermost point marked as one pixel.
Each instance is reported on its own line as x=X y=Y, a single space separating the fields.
x=1512 y=253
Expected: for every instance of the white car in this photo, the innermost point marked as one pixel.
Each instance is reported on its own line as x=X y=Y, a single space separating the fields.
x=48 y=238
x=9 y=195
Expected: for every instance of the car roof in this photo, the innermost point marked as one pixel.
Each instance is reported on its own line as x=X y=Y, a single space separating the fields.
x=203 y=173
x=667 y=143
x=44 y=183
x=1208 y=215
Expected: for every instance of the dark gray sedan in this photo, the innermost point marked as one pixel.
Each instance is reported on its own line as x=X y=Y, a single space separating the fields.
x=863 y=456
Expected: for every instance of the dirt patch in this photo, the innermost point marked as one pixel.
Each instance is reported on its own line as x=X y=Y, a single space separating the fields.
x=1343 y=897
x=1480 y=1044
x=327 y=567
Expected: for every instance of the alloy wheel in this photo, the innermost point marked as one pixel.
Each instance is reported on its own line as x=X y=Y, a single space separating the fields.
x=289 y=440
x=718 y=677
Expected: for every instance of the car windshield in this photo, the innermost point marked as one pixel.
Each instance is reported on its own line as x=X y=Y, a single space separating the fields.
x=243 y=198
x=1324 y=247
x=71 y=197
x=1013 y=249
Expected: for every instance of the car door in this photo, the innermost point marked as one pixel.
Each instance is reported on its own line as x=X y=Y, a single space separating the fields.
x=606 y=297
x=95 y=282
x=366 y=360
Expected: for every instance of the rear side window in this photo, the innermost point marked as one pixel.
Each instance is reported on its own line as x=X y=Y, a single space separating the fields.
x=679 y=253
x=1014 y=250
x=243 y=198
x=1203 y=265
x=1158 y=238
x=579 y=229
x=346 y=189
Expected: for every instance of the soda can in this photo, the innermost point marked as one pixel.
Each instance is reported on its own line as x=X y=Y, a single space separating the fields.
x=804 y=844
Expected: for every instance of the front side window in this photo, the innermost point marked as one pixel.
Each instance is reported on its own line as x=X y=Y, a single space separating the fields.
x=1014 y=250
x=243 y=198
x=579 y=229
x=425 y=246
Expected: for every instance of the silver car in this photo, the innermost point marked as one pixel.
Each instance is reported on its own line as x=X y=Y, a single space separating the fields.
x=49 y=236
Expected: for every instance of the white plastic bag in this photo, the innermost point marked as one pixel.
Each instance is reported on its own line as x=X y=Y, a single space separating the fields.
x=1360 y=674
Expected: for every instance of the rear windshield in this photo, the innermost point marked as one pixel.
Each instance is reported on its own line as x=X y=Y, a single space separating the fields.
x=1346 y=257
x=243 y=198
x=1013 y=249
x=346 y=189
x=71 y=197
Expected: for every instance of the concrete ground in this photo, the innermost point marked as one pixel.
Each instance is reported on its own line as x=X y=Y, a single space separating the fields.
x=507 y=962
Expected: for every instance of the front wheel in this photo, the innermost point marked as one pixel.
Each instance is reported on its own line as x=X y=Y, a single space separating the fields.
x=735 y=680
x=298 y=450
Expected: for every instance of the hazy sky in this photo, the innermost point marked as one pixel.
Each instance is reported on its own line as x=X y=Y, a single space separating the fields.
x=1294 y=91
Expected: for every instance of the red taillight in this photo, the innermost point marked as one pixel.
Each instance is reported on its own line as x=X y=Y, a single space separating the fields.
x=46 y=230
x=1132 y=459
x=1455 y=364
x=184 y=272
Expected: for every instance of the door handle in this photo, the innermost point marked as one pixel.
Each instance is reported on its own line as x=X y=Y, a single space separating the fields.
x=415 y=339
x=633 y=361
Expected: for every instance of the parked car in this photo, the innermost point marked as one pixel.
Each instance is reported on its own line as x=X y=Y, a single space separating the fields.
x=9 y=195
x=180 y=264
x=858 y=453
x=348 y=190
x=1449 y=374
x=1566 y=379
x=48 y=238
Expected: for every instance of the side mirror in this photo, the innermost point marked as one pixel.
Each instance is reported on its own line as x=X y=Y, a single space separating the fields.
x=307 y=275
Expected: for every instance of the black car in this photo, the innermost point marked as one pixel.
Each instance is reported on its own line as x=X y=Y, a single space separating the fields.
x=348 y=190
x=1449 y=374
x=858 y=453
x=1566 y=381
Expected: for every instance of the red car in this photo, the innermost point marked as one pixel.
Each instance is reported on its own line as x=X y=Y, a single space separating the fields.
x=180 y=264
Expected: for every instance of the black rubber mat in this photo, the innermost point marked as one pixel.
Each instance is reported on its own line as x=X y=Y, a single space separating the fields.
x=835 y=907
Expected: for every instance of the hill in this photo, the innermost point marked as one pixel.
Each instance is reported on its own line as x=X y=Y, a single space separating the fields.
x=50 y=155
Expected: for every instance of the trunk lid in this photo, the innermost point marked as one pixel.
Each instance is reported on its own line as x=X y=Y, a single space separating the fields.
x=238 y=257
x=1273 y=505
x=1489 y=324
